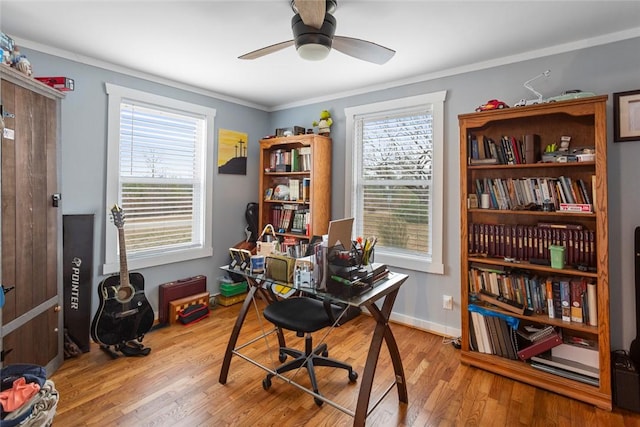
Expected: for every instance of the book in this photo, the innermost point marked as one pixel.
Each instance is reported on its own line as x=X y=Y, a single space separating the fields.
x=294 y=189
x=549 y=292
x=540 y=346
x=531 y=143
x=578 y=289
x=567 y=365
x=306 y=186
x=295 y=160
x=485 y=161
x=533 y=334
x=503 y=303
x=565 y=298
x=509 y=338
x=566 y=374
x=482 y=334
x=493 y=335
x=582 y=354
x=592 y=303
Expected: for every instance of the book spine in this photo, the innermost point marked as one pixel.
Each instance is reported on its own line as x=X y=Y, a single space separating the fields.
x=592 y=302
x=577 y=294
x=565 y=297
x=540 y=346
x=550 y=307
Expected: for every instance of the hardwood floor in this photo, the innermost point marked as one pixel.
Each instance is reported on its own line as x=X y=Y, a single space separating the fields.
x=177 y=385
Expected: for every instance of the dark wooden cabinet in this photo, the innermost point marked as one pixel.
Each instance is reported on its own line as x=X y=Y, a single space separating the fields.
x=31 y=223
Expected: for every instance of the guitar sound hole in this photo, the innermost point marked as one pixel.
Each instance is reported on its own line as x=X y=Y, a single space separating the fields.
x=124 y=293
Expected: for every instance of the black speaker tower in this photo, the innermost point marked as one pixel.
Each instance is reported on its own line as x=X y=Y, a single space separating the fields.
x=626 y=378
x=634 y=351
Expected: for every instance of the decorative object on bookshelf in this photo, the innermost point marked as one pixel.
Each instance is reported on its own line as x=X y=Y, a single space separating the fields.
x=324 y=124
x=626 y=116
x=506 y=261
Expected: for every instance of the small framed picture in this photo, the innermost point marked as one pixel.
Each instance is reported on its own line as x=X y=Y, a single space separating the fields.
x=472 y=202
x=626 y=116
x=268 y=193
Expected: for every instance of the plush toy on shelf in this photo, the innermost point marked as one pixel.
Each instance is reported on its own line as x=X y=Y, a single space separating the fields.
x=324 y=124
x=21 y=63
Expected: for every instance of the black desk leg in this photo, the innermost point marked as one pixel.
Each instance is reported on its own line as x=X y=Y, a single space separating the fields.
x=235 y=333
x=233 y=339
x=382 y=331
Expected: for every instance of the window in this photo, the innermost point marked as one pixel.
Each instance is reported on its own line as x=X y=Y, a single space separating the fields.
x=395 y=170
x=158 y=150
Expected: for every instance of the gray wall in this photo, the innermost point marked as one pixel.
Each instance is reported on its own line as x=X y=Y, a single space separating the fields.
x=602 y=69
x=84 y=148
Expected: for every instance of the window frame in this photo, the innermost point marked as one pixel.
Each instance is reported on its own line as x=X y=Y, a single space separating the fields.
x=116 y=96
x=435 y=102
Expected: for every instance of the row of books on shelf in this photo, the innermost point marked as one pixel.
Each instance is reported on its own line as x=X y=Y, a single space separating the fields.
x=568 y=299
x=511 y=193
x=291 y=218
x=531 y=242
x=294 y=248
x=507 y=151
x=299 y=189
x=294 y=160
x=545 y=348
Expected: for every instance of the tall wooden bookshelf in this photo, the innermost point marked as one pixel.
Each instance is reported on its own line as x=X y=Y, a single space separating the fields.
x=302 y=162
x=585 y=121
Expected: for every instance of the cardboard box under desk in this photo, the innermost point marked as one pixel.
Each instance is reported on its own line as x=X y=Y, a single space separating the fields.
x=227 y=301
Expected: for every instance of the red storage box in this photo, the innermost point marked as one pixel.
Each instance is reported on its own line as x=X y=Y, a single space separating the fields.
x=60 y=83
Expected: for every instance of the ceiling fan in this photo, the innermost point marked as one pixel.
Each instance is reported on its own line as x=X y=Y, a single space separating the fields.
x=314 y=27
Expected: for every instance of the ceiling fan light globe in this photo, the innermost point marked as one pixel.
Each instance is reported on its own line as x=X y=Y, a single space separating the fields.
x=313 y=44
x=313 y=51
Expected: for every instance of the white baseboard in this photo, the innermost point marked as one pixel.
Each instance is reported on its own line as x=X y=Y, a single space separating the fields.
x=434 y=328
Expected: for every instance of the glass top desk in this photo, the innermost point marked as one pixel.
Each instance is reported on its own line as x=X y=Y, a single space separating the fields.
x=384 y=292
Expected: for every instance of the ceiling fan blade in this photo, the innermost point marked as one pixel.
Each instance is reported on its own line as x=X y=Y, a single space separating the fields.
x=267 y=50
x=311 y=11
x=362 y=49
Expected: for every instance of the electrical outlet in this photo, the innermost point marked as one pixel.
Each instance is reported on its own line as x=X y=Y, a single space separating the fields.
x=447 y=302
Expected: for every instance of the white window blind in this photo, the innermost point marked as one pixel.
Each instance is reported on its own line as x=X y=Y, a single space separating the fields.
x=157 y=160
x=394 y=163
x=395 y=179
x=161 y=178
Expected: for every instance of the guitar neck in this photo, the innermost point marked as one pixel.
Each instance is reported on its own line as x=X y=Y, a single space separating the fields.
x=124 y=272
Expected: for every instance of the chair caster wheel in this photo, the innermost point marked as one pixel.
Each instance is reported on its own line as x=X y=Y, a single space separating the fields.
x=282 y=357
x=266 y=383
x=353 y=376
x=318 y=401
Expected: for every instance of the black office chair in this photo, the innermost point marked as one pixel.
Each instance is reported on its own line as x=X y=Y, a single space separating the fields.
x=305 y=315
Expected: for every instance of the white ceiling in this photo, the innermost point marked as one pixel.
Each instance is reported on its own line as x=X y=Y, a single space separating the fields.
x=196 y=43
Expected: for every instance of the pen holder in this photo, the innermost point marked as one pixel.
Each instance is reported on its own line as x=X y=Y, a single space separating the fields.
x=345 y=276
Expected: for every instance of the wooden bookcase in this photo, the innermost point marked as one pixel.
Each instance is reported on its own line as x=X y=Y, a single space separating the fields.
x=585 y=121
x=301 y=159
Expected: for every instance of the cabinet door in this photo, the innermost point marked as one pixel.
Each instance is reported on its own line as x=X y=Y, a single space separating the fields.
x=30 y=227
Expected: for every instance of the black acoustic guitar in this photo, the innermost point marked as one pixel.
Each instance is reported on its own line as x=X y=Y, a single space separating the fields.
x=124 y=313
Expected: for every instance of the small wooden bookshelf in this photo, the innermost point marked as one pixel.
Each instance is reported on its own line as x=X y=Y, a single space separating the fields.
x=301 y=165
